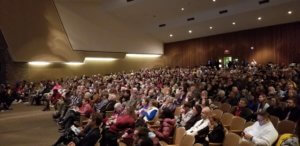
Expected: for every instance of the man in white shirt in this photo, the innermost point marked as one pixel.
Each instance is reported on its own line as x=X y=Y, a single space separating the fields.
x=201 y=124
x=262 y=132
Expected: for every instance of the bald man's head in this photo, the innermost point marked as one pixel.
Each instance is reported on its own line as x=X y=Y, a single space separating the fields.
x=205 y=112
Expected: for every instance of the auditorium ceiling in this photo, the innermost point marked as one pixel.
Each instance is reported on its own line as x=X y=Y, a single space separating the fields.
x=154 y=21
x=70 y=30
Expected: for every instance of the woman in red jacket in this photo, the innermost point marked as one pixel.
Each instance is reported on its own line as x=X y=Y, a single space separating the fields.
x=167 y=125
x=123 y=122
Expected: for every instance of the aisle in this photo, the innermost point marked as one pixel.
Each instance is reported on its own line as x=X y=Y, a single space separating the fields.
x=27 y=126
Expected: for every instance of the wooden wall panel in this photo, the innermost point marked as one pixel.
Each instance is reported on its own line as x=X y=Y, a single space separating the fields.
x=278 y=44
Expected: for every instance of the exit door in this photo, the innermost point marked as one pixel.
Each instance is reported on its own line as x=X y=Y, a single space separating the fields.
x=227 y=60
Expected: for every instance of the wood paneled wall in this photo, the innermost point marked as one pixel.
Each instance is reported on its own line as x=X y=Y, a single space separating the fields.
x=278 y=44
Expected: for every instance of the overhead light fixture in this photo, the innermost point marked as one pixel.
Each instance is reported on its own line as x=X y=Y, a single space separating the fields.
x=259 y=18
x=233 y=23
x=171 y=35
x=182 y=9
x=220 y=60
x=214 y=0
x=99 y=59
x=190 y=31
x=143 y=55
x=74 y=63
x=210 y=27
x=252 y=48
x=39 y=63
x=290 y=12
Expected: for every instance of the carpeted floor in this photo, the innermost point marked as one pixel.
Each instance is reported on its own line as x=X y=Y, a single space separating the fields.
x=27 y=126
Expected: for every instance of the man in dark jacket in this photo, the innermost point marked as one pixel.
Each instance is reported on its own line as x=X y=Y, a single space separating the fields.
x=241 y=110
x=292 y=111
x=88 y=137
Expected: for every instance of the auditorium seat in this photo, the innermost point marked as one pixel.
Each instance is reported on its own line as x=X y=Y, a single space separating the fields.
x=231 y=139
x=237 y=125
x=226 y=119
x=274 y=120
x=225 y=107
x=286 y=126
x=218 y=113
x=178 y=135
x=246 y=143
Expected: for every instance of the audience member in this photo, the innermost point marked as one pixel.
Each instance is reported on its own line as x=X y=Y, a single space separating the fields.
x=262 y=132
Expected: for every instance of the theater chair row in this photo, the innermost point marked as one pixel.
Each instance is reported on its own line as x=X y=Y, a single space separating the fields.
x=237 y=124
x=181 y=139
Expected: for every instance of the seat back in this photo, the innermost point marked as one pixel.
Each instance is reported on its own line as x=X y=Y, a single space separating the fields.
x=218 y=113
x=226 y=119
x=225 y=107
x=247 y=124
x=198 y=144
x=218 y=104
x=246 y=143
x=187 y=140
x=286 y=126
x=122 y=144
x=274 y=120
x=177 y=111
x=237 y=123
x=231 y=139
x=179 y=133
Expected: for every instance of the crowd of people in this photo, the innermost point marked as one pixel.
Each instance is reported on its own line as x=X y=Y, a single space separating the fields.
x=144 y=103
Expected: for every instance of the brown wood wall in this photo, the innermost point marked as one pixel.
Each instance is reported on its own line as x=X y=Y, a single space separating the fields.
x=278 y=44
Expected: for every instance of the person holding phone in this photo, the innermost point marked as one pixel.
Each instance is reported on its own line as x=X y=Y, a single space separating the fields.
x=262 y=132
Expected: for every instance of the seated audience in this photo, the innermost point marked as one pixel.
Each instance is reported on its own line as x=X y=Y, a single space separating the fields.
x=143 y=92
x=87 y=137
x=167 y=125
x=262 y=132
x=292 y=112
x=275 y=109
x=216 y=132
x=232 y=99
x=186 y=114
x=168 y=104
x=151 y=112
x=123 y=122
x=199 y=129
x=197 y=109
x=262 y=103
x=241 y=110
x=52 y=99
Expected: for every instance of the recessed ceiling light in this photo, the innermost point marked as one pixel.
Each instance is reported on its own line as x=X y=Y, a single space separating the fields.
x=214 y=0
x=190 y=31
x=259 y=18
x=171 y=35
x=182 y=9
x=210 y=27
x=252 y=48
x=233 y=23
x=290 y=12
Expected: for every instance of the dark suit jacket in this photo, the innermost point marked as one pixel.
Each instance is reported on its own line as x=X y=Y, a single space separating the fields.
x=109 y=106
x=246 y=113
x=190 y=123
x=276 y=111
x=294 y=115
x=91 y=138
x=217 y=134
